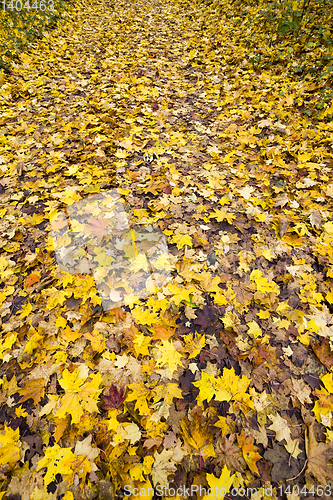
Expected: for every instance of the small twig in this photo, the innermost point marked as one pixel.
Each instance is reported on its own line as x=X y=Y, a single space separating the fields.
x=292 y=478
x=46 y=281
x=98 y=446
x=84 y=491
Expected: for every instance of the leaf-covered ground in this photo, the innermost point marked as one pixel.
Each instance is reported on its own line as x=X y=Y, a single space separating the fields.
x=222 y=379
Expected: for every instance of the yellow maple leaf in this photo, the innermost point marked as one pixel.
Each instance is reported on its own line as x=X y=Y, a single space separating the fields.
x=263 y=314
x=224 y=200
x=182 y=240
x=263 y=284
x=33 y=389
x=68 y=496
x=70 y=335
x=194 y=345
x=327 y=380
x=113 y=423
x=177 y=138
x=72 y=170
x=206 y=386
x=9 y=449
x=250 y=453
x=25 y=311
x=223 y=425
x=180 y=293
x=268 y=254
x=167 y=392
x=140 y=394
x=6 y=343
x=69 y=196
x=221 y=215
x=60 y=322
x=97 y=340
x=36 y=219
x=230 y=320
x=220 y=299
x=139 y=262
x=20 y=412
x=254 y=330
x=220 y=485
x=63 y=461
x=141 y=343
x=260 y=217
x=144 y=316
x=231 y=387
x=54 y=297
x=196 y=433
x=329 y=297
x=136 y=472
x=284 y=323
x=207 y=282
x=79 y=395
x=170 y=356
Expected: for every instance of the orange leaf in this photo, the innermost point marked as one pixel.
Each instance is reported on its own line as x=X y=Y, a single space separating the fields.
x=161 y=332
x=119 y=314
x=250 y=454
x=32 y=279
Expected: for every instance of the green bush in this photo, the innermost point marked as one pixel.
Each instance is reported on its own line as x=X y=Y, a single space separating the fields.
x=293 y=35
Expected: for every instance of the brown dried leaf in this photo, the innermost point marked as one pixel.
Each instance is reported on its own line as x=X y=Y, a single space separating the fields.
x=319 y=457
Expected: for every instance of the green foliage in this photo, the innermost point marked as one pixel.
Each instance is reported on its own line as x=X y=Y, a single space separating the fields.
x=299 y=25
x=18 y=28
x=292 y=35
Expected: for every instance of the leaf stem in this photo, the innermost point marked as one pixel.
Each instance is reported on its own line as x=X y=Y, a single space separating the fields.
x=292 y=478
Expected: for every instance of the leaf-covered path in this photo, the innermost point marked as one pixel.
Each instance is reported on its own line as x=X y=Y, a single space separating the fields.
x=223 y=378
